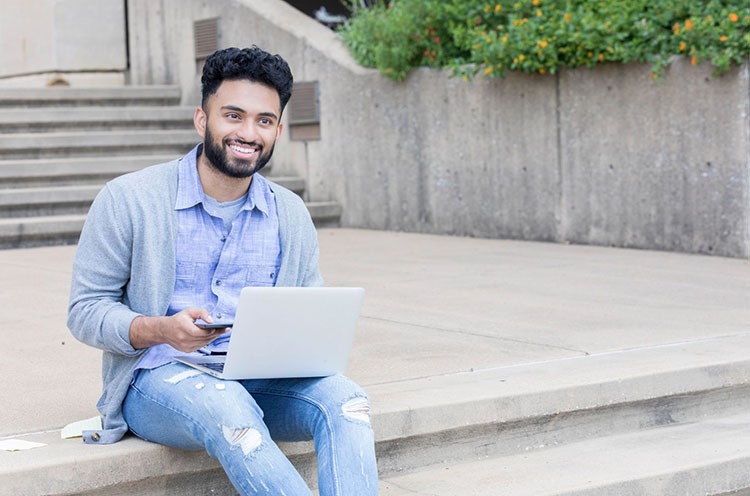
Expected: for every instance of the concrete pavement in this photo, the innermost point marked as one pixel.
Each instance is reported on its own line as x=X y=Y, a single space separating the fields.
x=440 y=312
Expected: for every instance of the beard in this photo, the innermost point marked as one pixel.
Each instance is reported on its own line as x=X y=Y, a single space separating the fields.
x=218 y=157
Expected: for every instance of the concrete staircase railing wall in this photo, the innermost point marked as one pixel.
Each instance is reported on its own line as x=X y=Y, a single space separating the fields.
x=603 y=156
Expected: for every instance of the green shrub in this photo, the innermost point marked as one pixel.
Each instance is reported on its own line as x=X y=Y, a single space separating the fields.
x=541 y=36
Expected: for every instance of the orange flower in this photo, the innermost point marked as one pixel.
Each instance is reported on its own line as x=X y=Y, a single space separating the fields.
x=676 y=28
x=733 y=17
x=543 y=43
x=539 y=13
x=535 y=3
x=654 y=75
x=688 y=25
x=497 y=8
x=683 y=46
x=521 y=57
x=567 y=18
x=488 y=70
x=694 y=60
x=601 y=57
x=723 y=38
x=541 y=70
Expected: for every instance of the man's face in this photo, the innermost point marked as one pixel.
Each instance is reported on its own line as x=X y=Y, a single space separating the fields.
x=239 y=127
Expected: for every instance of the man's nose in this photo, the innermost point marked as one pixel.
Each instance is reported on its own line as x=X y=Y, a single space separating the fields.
x=249 y=131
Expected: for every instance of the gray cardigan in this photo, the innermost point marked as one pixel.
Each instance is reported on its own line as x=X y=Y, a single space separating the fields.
x=125 y=267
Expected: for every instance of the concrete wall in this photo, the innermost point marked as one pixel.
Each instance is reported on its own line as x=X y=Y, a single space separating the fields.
x=44 y=38
x=603 y=156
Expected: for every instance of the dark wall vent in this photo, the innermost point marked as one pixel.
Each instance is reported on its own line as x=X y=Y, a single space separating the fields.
x=206 y=35
x=304 y=111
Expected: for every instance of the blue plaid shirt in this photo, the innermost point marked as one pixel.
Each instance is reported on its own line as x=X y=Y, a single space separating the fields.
x=215 y=261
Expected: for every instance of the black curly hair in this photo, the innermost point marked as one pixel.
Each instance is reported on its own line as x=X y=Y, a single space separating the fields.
x=252 y=64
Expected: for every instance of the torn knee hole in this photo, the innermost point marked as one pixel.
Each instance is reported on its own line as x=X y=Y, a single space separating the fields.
x=357 y=409
x=246 y=438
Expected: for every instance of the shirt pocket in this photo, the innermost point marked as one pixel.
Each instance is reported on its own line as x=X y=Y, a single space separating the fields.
x=261 y=275
x=184 y=277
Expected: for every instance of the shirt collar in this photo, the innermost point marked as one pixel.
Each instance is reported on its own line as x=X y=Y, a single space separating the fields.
x=190 y=190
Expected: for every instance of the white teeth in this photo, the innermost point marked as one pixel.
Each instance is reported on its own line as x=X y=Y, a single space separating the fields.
x=242 y=149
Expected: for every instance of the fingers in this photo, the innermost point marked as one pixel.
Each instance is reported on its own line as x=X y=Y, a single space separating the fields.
x=199 y=313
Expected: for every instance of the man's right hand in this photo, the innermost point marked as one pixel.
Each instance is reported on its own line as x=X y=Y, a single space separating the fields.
x=178 y=330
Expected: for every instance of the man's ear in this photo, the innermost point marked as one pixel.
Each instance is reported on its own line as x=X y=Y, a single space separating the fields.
x=278 y=131
x=199 y=121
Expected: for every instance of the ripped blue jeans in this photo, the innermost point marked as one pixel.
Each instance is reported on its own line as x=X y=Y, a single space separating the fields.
x=234 y=422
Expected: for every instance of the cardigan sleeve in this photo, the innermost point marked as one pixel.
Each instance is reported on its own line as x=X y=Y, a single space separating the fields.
x=101 y=271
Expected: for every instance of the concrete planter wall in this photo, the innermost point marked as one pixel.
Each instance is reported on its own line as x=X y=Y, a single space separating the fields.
x=604 y=156
x=82 y=41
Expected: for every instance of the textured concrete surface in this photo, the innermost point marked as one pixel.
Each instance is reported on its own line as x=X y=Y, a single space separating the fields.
x=62 y=35
x=708 y=457
x=657 y=164
x=435 y=305
x=604 y=156
x=555 y=343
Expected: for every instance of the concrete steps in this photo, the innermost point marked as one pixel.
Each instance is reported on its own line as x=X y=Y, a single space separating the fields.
x=705 y=457
x=59 y=146
x=659 y=420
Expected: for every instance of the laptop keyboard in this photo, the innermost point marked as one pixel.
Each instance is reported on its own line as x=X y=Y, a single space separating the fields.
x=216 y=367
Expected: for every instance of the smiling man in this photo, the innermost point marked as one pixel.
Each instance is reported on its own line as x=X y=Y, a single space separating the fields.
x=176 y=242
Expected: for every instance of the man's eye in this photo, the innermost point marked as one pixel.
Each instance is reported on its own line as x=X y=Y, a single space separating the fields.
x=233 y=115
x=266 y=122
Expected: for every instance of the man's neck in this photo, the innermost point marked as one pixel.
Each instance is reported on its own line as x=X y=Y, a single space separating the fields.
x=219 y=186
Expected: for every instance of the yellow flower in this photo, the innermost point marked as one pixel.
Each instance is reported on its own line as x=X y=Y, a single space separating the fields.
x=733 y=17
x=488 y=70
x=590 y=54
x=521 y=57
x=486 y=8
x=497 y=8
x=539 y=13
x=476 y=46
x=515 y=22
x=488 y=39
x=504 y=38
x=535 y=3
x=515 y=61
x=567 y=18
x=723 y=38
x=683 y=46
x=543 y=44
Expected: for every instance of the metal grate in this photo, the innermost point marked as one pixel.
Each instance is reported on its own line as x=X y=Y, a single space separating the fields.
x=206 y=35
x=303 y=106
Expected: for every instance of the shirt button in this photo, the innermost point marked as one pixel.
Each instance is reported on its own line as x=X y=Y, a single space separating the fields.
x=95 y=436
x=223 y=238
x=218 y=283
x=218 y=315
x=271 y=275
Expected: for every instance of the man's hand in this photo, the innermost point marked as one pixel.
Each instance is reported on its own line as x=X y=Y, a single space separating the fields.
x=179 y=331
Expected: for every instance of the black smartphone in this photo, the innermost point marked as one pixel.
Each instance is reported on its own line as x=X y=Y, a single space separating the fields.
x=203 y=325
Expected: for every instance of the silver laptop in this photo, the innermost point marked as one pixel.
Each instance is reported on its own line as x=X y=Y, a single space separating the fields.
x=287 y=332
